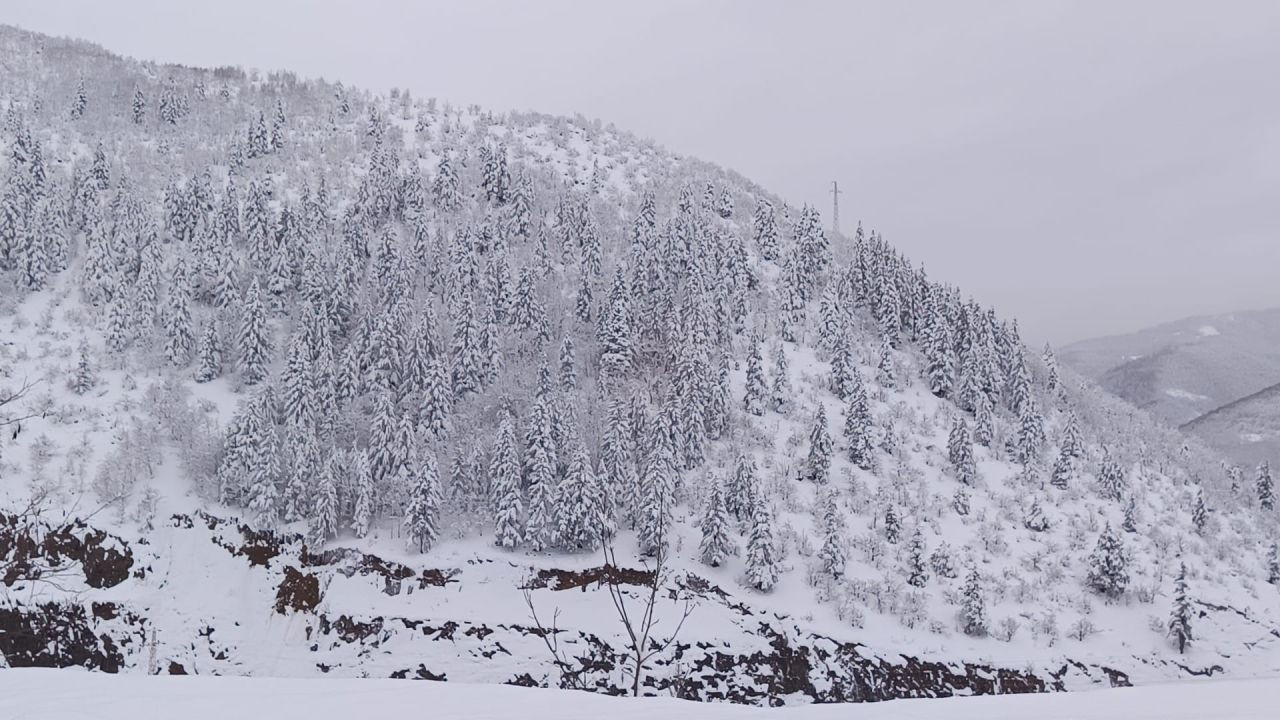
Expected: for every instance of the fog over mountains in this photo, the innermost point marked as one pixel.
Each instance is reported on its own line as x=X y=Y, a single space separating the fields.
x=1216 y=376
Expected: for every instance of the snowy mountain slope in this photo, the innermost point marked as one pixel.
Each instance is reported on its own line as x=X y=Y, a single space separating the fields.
x=1247 y=430
x=29 y=694
x=1181 y=370
x=330 y=377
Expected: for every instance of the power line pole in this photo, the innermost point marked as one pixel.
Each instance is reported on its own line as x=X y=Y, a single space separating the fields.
x=835 y=207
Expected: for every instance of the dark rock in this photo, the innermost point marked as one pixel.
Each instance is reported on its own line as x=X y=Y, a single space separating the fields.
x=298 y=591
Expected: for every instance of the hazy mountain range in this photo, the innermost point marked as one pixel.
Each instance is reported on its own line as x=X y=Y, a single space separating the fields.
x=1217 y=376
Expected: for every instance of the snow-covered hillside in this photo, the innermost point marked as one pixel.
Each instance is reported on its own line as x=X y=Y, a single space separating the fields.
x=312 y=382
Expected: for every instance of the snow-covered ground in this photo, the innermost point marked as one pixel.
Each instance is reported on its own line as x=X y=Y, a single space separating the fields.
x=76 y=695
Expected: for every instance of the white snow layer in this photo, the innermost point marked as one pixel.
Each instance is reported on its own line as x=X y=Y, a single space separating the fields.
x=42 y=694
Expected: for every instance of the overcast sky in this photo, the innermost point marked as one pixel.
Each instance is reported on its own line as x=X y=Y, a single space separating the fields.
x=1088 y=167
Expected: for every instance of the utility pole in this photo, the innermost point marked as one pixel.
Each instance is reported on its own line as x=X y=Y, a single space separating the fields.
x=835 y=208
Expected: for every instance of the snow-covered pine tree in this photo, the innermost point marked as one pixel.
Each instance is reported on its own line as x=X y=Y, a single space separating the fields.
x=504 y=473
x=366 y=497
x=940 y=561
x=253 y=342
x=1108 y=566
x=657 y=490
x=715 y=546
x=1063 y=470
x=1273 y=564
x=766 y=230
x=741 y=492
x=210 y=354
x=780 y=393
x=1266 y=487
x=421 y=519
x=917 y=575
x=857 y=425
x=1130 y=522
x=540 y=477
x=568 y=366
x=817 y=466
x=960 y=452
x=832 y=553
x=973 y=606
x=984 y=422
x=1199 y=513
x=1180 y=617
x=577 y=503
x=83 y=377
x=892 y=525
x=1030 y=431
x=1111 y=481
x=842 y=368
x=757 y=392
x=139 y=106
x=762 y=563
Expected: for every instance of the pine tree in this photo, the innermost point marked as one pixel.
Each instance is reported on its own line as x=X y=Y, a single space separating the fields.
x=939 y=367
x=1035 y=520
x=885 y=372
x=984 y=422
x=210 y=352
x=1266 y=487
x=421 y=519
x=139 y=106
x=362 y=515
x=437 y=398
x=262 y=464
x=755 y=398
x=817 y=466
x=917 y=575
x=83 y=378
x=577 y=503
x=1180 y=618
x=832 y=553
x=504 y=471
x=1111 y=482
x=842 y=369
x=1108 y=567
x=1072 y=445
x=766 y=230
x=973 y=607
x=940 y=561
x=960 y=452
x=79 y=101
x=1273 y=564
x=253 y=342
x=960 y=501
x=657 y=488
x=1130 y=522
x=1199 y=513
x=715 y=546
x=780 y=393
x=387 y=451
x=1030 y=432
x=540 y=464
x=178 y=336
x=324 y=518
x=568 y=366
x=857 y=425
x=762 y=565
x=892 y=525
x=1062 y=471
x=742 y=489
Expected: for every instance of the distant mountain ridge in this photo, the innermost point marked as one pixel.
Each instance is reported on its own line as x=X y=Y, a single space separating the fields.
x=1216 y=376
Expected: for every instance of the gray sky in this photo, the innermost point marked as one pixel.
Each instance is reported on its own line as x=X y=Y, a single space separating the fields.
x=1089 y=167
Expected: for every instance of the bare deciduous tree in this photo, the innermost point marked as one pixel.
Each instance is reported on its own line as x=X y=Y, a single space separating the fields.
x=638 y=623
